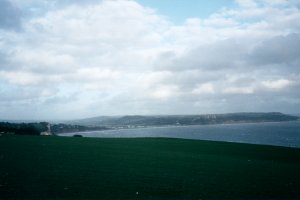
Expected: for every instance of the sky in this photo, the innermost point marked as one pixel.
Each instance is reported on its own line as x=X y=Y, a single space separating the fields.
x=71 y=59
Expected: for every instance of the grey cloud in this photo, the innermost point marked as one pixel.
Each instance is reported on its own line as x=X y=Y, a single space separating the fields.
x=61 y=99
x=188 y=79
x=10 y=16
x=3 y=60
x=18 y=94
x=219 y=55
x=67 y=2
x=278 y=50
x=14 y=10
x=281 y=52
x=56 y=4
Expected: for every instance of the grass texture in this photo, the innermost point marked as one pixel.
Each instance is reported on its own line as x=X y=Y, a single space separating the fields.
x=35 y=167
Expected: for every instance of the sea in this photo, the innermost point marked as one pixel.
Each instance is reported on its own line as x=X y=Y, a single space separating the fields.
x=267 y=133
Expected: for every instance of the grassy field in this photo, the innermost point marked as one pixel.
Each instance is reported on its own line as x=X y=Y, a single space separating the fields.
x=34 y=167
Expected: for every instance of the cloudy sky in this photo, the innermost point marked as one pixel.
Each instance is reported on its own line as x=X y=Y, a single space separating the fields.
x=67 y=59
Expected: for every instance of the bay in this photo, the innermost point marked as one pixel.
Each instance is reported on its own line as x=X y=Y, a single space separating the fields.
x=269 y=133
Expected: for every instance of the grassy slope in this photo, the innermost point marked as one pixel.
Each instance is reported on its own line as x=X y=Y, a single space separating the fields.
x=85 y=168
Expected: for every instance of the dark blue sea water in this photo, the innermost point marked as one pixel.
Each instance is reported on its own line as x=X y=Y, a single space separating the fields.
x=270 y=133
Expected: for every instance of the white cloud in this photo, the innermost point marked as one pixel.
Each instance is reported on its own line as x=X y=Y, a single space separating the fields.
x=152 y=78
x=206 y=88
x=238 y=90
x=219 y=22
x=276 y=84
x=247 y=3
x=96 y=74
x=164 y=92
x=281 y=2
x=43 y=60
x=21 y=78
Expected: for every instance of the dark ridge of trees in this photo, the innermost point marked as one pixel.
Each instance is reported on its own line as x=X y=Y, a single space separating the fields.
x=23 y=128
x=37 y=128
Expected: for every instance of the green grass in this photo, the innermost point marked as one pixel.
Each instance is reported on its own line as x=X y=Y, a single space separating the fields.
x=33 y=167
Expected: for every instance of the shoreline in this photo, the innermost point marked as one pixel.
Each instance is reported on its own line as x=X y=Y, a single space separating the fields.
x=179 y=126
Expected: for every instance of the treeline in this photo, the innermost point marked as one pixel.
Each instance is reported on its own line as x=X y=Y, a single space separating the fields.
x=23 y=128
x=38 y=128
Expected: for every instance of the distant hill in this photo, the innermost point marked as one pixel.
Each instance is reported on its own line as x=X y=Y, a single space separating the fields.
x=133 y=121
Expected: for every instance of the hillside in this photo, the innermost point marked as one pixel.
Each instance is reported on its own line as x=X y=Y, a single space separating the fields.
x=177 y=120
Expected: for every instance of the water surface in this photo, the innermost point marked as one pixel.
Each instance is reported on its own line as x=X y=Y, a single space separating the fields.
x=271 y=133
